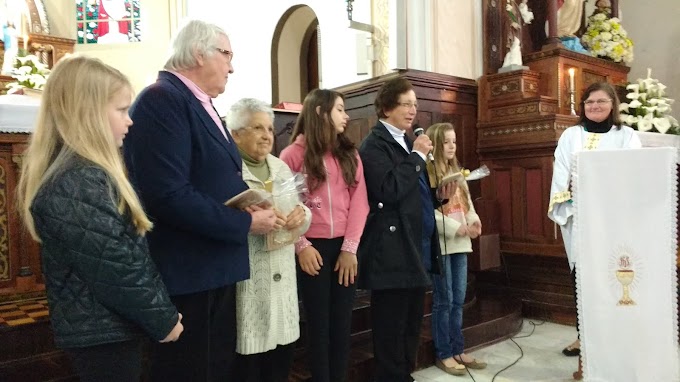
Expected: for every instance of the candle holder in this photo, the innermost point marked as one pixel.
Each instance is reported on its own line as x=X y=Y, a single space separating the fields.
x=572 y=103
x=572 y=90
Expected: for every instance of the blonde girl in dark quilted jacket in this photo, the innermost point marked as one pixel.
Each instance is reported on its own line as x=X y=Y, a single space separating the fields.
x=104 y=292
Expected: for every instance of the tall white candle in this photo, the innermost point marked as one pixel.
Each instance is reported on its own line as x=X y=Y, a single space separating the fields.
x=571 y=80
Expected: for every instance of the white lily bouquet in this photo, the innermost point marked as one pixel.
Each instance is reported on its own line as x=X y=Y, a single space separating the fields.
x=606 y=38
x=28 y=72
x=647 y=108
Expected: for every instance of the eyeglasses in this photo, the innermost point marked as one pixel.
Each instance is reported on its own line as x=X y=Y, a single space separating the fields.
x=261 y=129
x=229 y=54
x=599 y=102
x=408 y=105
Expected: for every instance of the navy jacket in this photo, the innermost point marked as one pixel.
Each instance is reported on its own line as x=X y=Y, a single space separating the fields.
x=390 y=252
x=184 y=170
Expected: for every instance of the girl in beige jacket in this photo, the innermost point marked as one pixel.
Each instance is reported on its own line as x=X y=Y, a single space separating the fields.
x=457 y=223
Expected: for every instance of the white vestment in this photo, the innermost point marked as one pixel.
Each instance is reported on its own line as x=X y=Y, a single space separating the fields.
x=624 y=240
x=575 y=139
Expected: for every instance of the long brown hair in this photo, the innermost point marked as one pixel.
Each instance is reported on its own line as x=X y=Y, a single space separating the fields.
x=442 y=165
x=321 y=137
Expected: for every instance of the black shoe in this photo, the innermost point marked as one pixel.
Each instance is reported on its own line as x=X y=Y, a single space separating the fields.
x=571 y=352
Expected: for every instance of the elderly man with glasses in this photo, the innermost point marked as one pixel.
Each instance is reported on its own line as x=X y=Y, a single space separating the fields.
x=185 y=165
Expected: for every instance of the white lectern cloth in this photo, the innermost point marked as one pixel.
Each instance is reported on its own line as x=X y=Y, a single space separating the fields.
x=18 y=113
x=625 y=220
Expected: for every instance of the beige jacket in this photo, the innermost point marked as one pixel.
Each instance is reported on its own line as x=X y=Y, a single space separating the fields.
x=447 y=227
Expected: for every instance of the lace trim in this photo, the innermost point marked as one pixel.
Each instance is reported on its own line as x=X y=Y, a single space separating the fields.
x=673 y=220
x=350 y=246
x=575 y=256
x=301 y=244
x=558 y=198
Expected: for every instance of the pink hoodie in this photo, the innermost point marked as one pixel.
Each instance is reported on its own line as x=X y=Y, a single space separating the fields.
x=337 y=209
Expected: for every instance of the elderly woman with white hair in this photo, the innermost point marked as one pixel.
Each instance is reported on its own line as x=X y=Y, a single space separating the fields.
x=267 y=317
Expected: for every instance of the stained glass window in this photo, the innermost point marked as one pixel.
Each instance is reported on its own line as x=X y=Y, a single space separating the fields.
x=108 y=21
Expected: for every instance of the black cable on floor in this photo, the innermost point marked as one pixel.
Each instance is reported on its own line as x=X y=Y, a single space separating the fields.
x=533 y=329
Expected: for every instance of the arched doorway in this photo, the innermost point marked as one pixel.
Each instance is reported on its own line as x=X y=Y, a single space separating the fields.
x=295 y=55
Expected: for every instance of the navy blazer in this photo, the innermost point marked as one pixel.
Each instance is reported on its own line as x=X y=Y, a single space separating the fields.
x=184 y=170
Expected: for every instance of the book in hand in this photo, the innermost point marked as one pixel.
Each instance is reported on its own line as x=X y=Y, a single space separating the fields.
x=453 y=177
x=249 y=197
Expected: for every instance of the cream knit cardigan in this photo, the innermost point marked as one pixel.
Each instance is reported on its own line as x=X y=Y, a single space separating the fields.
x=266 y=309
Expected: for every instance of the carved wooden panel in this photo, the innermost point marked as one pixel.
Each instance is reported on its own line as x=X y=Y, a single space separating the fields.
x=502 y=183
x=17 y=248
x=590 y=77
x=521 y=187
x=6 y=262
x=494 y=45
x=553 y=65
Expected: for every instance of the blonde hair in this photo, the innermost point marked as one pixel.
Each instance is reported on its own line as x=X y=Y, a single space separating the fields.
x=73 y=121
x=442 y=165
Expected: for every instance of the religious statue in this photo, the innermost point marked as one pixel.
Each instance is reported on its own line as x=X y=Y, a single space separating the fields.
x=514 y=55
x=569 y=22
x=518 y=14
x=569 y=17
x=11 y=12
x=9 y=38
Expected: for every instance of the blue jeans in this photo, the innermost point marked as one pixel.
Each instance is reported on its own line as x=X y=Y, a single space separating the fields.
x=447 y=306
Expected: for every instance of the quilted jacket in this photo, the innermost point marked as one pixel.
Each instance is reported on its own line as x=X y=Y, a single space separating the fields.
x=102 y=286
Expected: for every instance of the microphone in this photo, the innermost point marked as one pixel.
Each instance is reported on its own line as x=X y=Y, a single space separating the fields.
x=418 y=131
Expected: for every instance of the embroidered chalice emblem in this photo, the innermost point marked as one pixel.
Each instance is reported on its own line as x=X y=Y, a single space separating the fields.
x=625 y=275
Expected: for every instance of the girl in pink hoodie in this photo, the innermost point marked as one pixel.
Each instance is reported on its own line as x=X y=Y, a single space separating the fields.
x=327 y=252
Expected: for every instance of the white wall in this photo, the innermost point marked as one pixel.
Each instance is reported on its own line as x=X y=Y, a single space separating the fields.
x=654 y=28
x=250 y=25
x=457 y=35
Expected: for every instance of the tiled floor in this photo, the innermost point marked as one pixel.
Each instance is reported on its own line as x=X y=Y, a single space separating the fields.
x=543 y=360
x=24 y=312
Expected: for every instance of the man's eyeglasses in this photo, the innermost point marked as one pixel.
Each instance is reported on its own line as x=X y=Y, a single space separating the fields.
x=408 y=105
x=227 y=53
x=599 y=102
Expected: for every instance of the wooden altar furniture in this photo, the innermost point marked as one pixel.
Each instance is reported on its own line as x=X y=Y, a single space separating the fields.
x=20 y=274
x=554 y=64
x=521 y=117
x=284 y=123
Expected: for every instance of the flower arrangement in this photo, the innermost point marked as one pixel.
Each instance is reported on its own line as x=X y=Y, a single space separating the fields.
x=28 y=72
x=605 y=37
x=648 y=108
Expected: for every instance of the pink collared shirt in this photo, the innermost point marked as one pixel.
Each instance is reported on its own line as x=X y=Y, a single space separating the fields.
x=204 y=98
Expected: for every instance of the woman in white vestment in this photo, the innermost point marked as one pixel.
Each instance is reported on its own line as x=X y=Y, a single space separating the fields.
x=599 y=128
